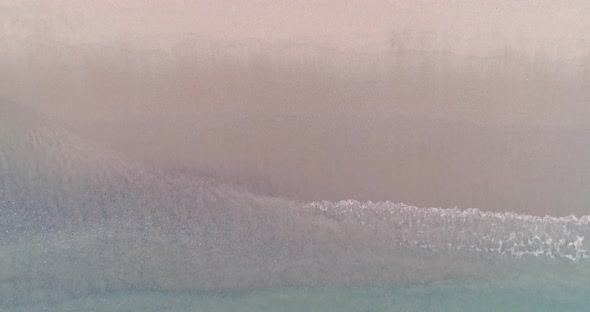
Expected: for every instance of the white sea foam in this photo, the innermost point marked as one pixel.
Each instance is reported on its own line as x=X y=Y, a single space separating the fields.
x=507 y=234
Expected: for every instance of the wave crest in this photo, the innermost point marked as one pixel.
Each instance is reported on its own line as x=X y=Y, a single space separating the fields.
x=507 y=234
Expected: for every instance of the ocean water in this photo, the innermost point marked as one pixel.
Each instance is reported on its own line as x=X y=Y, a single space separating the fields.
x=373 y=257
x=540 y=293
x=85 y=230
x=537 y=286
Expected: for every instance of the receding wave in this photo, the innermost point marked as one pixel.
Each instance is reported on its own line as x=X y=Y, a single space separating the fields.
x=507 y=234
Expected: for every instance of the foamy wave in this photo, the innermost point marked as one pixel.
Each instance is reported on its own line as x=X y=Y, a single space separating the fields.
x=507 y=234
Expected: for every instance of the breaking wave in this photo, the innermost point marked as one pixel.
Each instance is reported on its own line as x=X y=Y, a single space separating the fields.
x=506 y=234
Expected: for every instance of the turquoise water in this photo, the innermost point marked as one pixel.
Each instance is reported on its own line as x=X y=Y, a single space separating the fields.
x=525 y=293
x=472 y=283
x=253 y=253
x=262 y=254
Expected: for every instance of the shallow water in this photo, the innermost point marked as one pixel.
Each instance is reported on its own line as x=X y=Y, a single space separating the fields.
x=85 y=230
x=145 y=272
x=534 y=292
